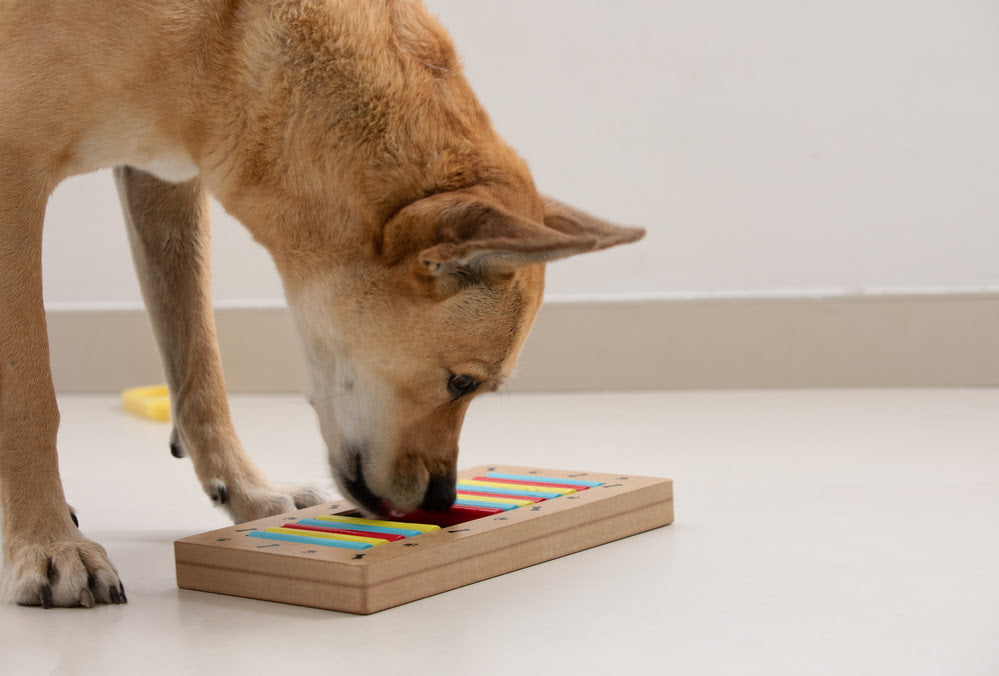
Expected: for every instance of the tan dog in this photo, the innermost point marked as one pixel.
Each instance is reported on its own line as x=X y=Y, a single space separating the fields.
x=410 y=238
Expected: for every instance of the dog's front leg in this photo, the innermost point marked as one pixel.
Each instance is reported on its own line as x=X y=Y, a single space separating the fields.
x=47 y=561
x=169 y=231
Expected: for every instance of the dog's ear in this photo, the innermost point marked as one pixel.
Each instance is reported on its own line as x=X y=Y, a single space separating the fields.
x=570 y=220
x=459 y=239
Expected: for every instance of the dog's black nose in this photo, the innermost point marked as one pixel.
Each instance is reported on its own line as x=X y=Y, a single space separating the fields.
x=440 y=493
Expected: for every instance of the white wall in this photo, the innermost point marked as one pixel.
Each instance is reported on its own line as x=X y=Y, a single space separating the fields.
x=787 y=146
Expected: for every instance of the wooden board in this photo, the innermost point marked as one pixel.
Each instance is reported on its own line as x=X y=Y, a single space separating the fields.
x=226 y=561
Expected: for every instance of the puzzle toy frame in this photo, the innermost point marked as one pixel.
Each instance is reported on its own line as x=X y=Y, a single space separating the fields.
x=227 y=561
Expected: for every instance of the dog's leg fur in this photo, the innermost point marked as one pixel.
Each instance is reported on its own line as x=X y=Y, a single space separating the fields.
x=168 y=228
x=47 y=560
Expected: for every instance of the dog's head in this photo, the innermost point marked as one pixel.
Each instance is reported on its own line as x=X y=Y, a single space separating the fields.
x=401 y=342
x=410 y=237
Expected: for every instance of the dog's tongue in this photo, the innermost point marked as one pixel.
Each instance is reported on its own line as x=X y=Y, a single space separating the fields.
x=390 y=510
x=393 y=513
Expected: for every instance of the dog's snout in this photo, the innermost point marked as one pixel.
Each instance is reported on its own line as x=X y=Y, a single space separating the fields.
x=440 y=493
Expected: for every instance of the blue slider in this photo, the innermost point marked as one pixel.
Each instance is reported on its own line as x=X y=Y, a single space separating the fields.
x=544 y=479
x=408 y=532
x=306 y=540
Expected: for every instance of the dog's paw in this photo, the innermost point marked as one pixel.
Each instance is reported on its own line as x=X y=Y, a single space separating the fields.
x=246 y=503
x=66 y=570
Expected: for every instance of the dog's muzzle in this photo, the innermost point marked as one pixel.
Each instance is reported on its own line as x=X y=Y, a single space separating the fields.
x=439 y=496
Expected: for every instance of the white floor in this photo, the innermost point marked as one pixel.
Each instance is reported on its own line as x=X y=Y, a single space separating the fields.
x=825 y=532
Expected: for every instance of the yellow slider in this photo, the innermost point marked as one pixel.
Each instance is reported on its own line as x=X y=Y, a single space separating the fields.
x=422 y=527
x=503 y=501
x=519 y=487
x=329 y=536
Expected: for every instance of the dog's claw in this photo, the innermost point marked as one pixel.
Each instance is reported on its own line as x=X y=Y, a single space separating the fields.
x=121 y=588
x=86 y=598
x=175 y=447
x=72 y=515
x=115 y=596
x=221 y=495
x=46 y=596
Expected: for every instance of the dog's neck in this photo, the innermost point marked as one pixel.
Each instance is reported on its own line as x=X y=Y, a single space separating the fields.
x=326 y=124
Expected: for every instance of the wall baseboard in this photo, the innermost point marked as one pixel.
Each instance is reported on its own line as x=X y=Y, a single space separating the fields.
x=863 y=341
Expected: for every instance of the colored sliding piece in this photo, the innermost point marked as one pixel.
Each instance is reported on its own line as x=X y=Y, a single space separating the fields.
x=543 y=479
x=343 y=531
x=513 y=496
x=550 y=485
x=538 y=485
x=307 y=540
x=495 y=499
x=481 y=503
x=357 y=521
x=541 y=495
x=451 y=517
x=360 y=527
x=327 y=536
x=500 y=483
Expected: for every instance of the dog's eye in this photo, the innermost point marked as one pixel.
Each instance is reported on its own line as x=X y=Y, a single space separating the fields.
x=461 y=385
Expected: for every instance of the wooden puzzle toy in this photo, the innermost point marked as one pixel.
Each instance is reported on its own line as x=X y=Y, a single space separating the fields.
x=505 y=518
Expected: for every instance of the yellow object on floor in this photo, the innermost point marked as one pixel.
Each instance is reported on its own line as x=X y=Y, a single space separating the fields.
x=152 y=402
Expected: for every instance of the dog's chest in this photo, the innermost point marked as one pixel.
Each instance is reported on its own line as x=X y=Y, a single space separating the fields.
x=175 y=167
x=135 y=144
